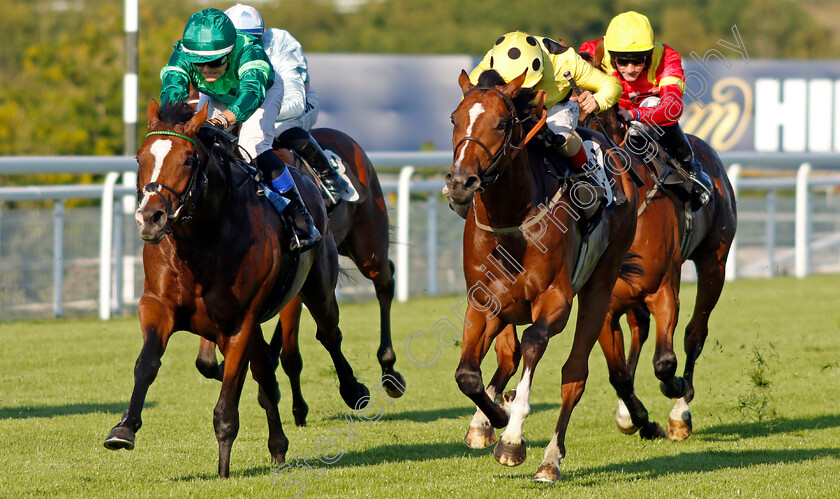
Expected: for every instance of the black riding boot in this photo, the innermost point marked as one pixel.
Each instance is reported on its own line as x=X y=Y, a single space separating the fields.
x=679 y=148
x=280 y=181
x=305 y=146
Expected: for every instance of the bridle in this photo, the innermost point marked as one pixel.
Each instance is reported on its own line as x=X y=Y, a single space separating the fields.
x=191 y=195
x=493 y=172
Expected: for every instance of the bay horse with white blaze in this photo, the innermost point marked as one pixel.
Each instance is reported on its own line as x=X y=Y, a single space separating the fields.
x=517 y=277
x=668 y=233
x=361 y=230
x=216 y=265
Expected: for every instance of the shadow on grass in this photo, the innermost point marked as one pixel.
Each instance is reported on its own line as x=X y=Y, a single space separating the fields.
x=66 y=410
x=738 y=431
x=692 y=462
x=392 y=414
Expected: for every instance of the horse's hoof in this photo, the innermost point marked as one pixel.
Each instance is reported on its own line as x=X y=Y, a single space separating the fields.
x=652 y=431
x=509 y=454
x=679 y=430
x=623 y=420
x=359 y=399
x=121 y=437
x=395 y=388
x=627 y=430
x=300 y=415
x=480 y=437
x=547 y=473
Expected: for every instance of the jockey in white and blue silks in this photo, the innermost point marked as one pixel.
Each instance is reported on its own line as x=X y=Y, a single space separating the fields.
x=299 y=108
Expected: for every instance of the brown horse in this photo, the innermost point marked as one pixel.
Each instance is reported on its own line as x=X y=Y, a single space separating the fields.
x=216 y=265
x=667 y=234
x=522 y=246
x=361 y=232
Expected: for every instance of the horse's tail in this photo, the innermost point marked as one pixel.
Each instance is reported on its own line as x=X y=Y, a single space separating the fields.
x=631 y=268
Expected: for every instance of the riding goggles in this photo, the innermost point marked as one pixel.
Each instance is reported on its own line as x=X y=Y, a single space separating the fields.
x=636 y=61
x=215 y=63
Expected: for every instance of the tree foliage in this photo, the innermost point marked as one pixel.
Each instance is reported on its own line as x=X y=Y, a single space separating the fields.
x=63 y=61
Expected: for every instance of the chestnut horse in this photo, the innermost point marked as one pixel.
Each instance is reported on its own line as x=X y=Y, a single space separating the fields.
x=667 y=234
x=216 y=265
x=515 y=276
x=361 y=232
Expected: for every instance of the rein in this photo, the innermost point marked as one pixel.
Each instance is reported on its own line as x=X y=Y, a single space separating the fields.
x=191 y=194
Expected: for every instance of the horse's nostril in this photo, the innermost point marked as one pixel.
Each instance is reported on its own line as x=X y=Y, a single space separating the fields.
x=470 y=181
x=156 y=218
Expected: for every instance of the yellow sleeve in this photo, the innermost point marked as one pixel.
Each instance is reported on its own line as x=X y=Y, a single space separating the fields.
x=483 y=66
x=606 y=88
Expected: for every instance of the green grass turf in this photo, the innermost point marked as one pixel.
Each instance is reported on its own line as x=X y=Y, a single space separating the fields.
x=765 y=417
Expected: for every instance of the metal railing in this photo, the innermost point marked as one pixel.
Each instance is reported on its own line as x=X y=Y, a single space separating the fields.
x=113 y=271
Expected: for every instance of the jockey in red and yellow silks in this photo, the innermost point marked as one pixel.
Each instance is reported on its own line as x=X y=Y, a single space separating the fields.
x=653 y=82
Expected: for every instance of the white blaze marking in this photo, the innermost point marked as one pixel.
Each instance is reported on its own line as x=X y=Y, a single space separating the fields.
x=159 y=150
x=475 y=112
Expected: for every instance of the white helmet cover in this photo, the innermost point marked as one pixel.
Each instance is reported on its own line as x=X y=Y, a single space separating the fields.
x=246 y=19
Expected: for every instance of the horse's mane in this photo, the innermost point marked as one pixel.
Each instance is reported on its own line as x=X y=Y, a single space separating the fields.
x=173 y=113
x=522 y=102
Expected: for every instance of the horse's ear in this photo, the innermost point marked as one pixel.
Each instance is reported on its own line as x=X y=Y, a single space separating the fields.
x=464 y=82
x=152 y=113
x=598 y=57
x=512 y=88
x=196 y=121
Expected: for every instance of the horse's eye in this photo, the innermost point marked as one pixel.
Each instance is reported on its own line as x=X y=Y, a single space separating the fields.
x=502 y=125
x=452 y=118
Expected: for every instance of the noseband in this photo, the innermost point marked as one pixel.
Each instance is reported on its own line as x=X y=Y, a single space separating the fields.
x=191 y=194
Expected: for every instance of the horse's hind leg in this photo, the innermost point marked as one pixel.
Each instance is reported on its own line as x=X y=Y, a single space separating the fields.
x=206 y=362
x=371 y=257
x=392 y=381
x=155 y=337
x=284 y=344
x=631 y=414
x=710 y=280
x=318 y=294
x=481 y=433
x=262 y=368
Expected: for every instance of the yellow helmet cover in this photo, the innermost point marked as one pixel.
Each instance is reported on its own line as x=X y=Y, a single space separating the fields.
x=516 y=52
x=629 y=32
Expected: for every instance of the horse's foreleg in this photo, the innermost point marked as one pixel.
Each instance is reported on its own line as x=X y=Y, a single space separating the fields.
x=383 y=281
x=284 y=344
x=155 y=337
x=479 y=332
x=226 y=413
x=665 y=306
x=551 y=312
x=262 y=368
x=481 y=433
x=206 y=362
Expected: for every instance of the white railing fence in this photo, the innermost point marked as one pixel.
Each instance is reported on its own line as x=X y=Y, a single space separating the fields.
x=50 y=264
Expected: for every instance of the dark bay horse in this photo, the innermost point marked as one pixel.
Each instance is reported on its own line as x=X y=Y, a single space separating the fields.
x=216 y=264
x=522 y=243
x=361 y=232
x=667 y=234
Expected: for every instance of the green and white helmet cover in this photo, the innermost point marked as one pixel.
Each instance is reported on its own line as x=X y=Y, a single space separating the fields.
x=209 y=35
